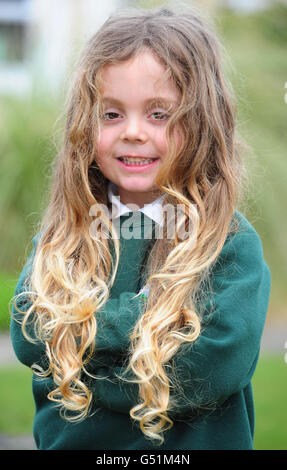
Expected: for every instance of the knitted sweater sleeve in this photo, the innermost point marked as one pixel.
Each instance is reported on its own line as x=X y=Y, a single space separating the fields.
x=223 y=359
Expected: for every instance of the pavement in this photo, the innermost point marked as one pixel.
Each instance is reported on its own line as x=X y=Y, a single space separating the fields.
x=17 y=442
x=274 y=341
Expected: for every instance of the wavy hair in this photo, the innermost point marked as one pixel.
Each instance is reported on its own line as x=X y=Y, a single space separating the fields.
x=72 y=272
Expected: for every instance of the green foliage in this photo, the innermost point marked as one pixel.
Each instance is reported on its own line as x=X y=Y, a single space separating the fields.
x=7 y=289
x=273 y=22
x=256 y=65
x=27 y=147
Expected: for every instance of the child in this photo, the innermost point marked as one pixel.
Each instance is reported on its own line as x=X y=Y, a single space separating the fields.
x=147 y=341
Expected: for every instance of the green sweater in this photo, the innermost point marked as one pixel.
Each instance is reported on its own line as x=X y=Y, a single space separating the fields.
x=216 y=410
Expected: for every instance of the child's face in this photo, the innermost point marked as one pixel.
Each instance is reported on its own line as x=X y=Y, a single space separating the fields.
x=137 y=100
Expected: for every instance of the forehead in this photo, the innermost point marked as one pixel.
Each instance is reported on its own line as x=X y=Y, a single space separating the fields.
x=140 y=76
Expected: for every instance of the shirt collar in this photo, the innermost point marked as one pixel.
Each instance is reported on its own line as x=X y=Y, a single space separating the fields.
x=153 y=210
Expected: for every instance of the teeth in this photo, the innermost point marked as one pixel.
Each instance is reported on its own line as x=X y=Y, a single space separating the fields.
x=137 y=161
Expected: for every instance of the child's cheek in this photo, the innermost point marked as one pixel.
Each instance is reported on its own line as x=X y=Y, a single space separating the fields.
x=159 y=139
x=104 y=144
x=177 y=139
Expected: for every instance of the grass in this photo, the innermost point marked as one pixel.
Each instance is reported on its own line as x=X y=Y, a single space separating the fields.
x=17 y=405
x=269 y=385
x=270 y=391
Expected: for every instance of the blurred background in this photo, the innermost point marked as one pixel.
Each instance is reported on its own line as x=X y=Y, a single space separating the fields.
x=39 y=42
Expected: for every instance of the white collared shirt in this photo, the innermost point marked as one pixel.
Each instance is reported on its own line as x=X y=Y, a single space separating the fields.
x=153 y=210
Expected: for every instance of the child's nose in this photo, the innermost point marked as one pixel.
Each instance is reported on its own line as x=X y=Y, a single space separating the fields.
x=134 y=131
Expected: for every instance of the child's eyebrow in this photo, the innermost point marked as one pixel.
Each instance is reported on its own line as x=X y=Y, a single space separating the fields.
x=155 y=101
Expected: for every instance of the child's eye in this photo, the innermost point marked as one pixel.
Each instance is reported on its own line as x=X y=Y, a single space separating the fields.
x=110 y=116
x=159 y=115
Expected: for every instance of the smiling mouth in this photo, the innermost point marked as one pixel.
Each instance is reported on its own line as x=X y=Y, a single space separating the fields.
x=137 y=160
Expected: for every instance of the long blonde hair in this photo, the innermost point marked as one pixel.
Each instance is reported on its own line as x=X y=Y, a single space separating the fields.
x=72 y=272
